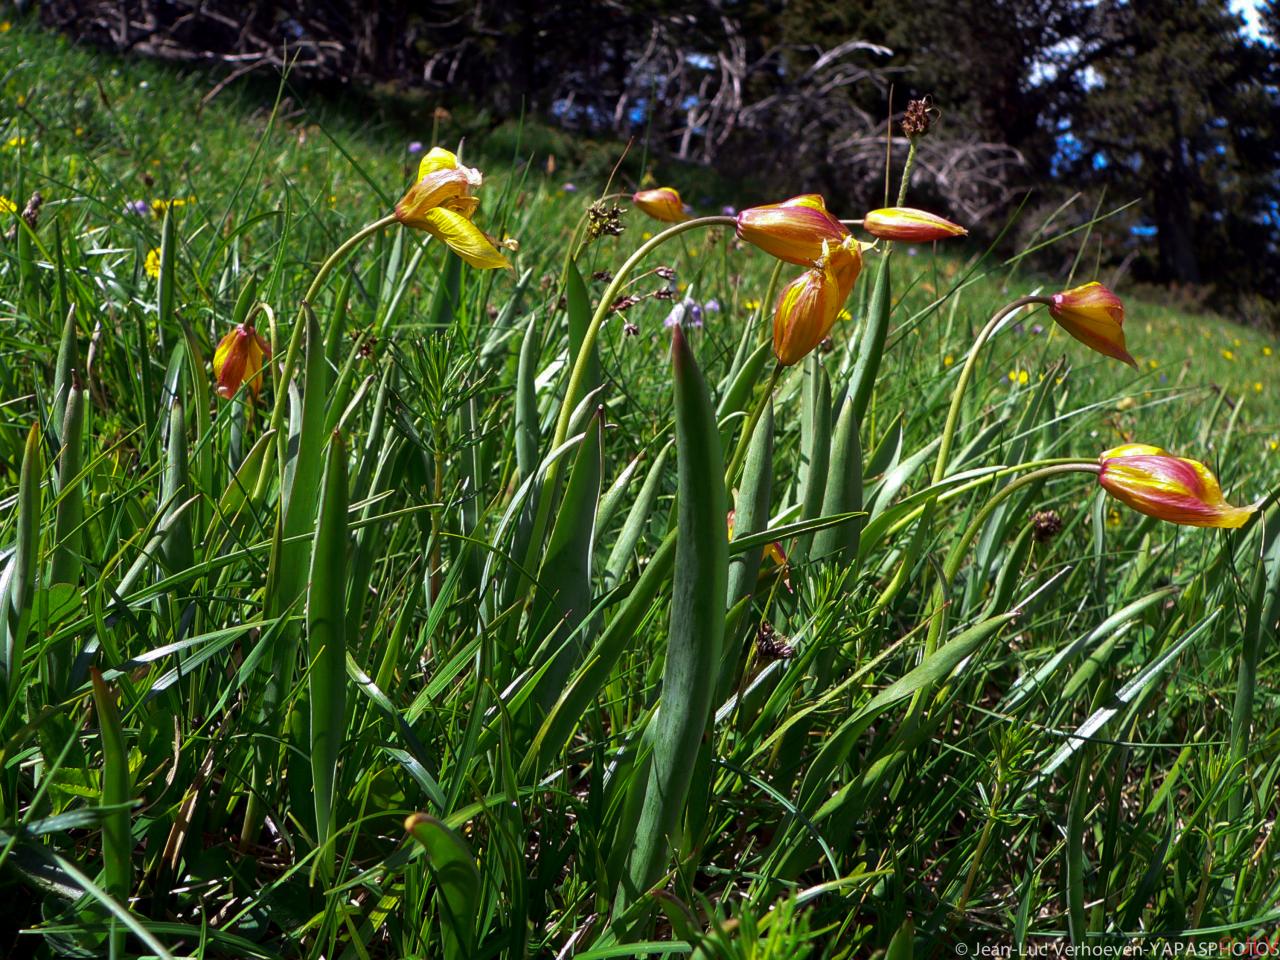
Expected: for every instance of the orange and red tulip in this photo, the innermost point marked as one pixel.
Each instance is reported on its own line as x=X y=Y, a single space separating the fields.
x=793 y=230
x=910 y=225
x=1095 y=316
x=661 y=203
x=808 y=306
x=1158 y=484
x=240 y=357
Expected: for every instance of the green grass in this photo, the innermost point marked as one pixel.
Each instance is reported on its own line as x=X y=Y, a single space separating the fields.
x=438 y=689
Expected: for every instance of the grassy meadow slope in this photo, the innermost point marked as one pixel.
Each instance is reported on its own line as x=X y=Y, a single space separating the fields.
x=216 y=740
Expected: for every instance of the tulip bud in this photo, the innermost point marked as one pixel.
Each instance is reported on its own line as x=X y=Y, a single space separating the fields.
x=1095 y=316
x=910 y=226
x=807 y=308
x=663 y=204
x=1158 y=484
x=240 y=357
x=793 y=230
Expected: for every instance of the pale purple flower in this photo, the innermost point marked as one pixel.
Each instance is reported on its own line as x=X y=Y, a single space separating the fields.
x=569 y=188
x=1037 y=329
x=415 y=146
x=695 y=312
x=137 y=207
x=687 y=312
x=713 y=305
x=912 y=251
x=729 y=210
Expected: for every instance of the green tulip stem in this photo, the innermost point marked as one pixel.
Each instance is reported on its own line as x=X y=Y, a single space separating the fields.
x=295 y=339
x=966 y=374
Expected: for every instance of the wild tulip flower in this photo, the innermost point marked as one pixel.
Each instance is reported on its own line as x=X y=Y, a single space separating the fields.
x=794 y=230
x=1176 y=489
x=662 y=203
x=1095 y=316
x=240 y=357
x=910 y=225
x=440 y=202
x=808 y=307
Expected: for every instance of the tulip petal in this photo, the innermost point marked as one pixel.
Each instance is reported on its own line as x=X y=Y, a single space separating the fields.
x=437 y=158
x=1174 y=489
x=910 y=225
x=662 y=204
x=464 y=238
x=794 y=230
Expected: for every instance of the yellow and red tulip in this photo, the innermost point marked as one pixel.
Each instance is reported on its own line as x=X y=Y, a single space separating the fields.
x=1095 y=316
x=793 y=230
x=440 y=202
x=1158 y=484
x=910 y=225
x=661 y=203
x=239 y=358
x=808 y=307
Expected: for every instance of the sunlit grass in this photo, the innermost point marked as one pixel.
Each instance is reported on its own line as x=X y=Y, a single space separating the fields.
x=406 y=698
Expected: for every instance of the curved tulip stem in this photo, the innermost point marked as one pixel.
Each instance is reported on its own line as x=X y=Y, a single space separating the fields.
x=582 y=360
x=295 y=342
x=966 y=374
x=955 y=558
x=749 y=428
x=925 y=510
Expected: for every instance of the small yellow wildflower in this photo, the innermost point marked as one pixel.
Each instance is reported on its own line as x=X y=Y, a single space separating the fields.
x=1019 y=377
x=1266 y=351
x=5 y=26
x=1113 y=518
x=845 y=315
x=948 y=360
x=1236 y=342
x=152 y=266
x=752 y=304
x=1257 y=386
x=1152 y=364
x=14 y=143
x=22 y=99
x=79 y=131
x=1228 y=355
x=1274 y=445
x=646 y=235
x=7 y=205
x=158 y=207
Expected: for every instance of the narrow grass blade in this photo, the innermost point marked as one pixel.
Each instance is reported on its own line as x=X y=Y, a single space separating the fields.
x=562 y=599
x=327 y=645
